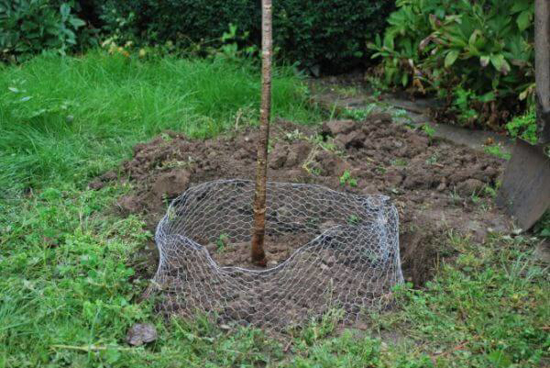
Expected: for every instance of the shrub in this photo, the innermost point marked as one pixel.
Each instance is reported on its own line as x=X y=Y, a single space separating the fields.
x=28 y=27
x=330 y=34
x=478 y=55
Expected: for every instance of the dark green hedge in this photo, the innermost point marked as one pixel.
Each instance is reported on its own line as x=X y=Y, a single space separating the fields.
x=329 y=33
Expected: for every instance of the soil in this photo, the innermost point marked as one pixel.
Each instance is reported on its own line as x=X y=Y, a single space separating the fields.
x=436 y=185
x=278 y=249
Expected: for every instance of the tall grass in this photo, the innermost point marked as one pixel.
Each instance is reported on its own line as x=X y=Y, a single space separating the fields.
x=71 y=118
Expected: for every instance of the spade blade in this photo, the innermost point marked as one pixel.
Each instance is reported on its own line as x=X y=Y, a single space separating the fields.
x=525 y=190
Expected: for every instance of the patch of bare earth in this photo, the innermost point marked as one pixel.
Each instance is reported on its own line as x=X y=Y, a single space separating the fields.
x=436 y=185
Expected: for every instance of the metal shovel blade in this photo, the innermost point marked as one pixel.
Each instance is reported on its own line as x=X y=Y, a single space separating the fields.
x=525 y=190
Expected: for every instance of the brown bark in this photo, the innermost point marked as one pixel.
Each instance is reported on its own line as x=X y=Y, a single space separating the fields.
x=542 y=68
x=258 y=235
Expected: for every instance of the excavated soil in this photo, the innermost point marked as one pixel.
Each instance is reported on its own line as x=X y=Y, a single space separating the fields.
x=436 y=185
x=278 y=249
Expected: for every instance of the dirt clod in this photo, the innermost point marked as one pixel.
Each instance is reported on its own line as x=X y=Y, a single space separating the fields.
x=171 y=184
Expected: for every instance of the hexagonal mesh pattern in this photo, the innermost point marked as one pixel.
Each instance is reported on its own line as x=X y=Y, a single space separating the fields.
x=350 y=260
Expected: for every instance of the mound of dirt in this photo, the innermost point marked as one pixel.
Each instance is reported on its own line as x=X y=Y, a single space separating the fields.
x=436 y=185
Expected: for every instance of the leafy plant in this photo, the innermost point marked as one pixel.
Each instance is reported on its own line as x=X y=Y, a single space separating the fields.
x=31 y=26
x=359 y=114
x=429 y=130
x=496 y=150
x=353 y=220
x=524 y=126
x=221 y=243
x=347 y=179
x=485 y=48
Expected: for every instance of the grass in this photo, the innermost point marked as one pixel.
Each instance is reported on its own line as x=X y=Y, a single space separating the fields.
x=72 y=118
x=70 y=283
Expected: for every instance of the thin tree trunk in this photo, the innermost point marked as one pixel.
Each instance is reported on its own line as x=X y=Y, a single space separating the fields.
x=542 y=68
x=258 y=235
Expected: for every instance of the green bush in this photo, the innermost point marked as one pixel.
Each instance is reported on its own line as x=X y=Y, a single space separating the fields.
x=479 y=55
x=330 y=34
x=28 y=27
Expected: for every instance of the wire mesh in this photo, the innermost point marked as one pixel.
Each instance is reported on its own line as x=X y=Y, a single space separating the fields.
x=350 y=260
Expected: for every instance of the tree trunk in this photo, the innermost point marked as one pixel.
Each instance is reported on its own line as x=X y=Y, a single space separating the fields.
x=258 y=235
x=542 y=68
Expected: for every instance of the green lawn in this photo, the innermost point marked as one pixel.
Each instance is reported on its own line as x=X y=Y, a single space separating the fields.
x=68 y=289
x=70 y=118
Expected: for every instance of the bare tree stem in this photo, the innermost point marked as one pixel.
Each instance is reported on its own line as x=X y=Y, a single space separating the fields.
x=258 y=235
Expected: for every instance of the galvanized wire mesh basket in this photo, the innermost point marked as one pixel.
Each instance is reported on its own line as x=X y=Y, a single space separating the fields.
x=349 y=258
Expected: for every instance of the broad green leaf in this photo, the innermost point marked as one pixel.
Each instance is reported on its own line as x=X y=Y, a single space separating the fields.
x=505 y=68
x=521 y=5
x=28 y=26
x=77 y=23
x=388 y=42
x=497 y=61
x=523 y=95
x=488 y=97
x=484 y=61
x=524 y=20
x=405 y=79
x=65 y=10
x=451 y=58
x=473 y=37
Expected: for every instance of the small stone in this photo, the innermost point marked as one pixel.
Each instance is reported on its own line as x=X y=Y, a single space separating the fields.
x=225 y=327
x=141 y=333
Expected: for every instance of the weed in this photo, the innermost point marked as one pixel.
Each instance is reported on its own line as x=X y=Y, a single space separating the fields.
x=432 y=160
x=353 y=220
x=524 y=126
x=400 y=114
x=490 y=190
x=295 y=135
x=399 y=162
x=380 y=170
x=359 y=114
x=346 y=179
x=221 y=243
x=429 y=130
x=498 y=151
